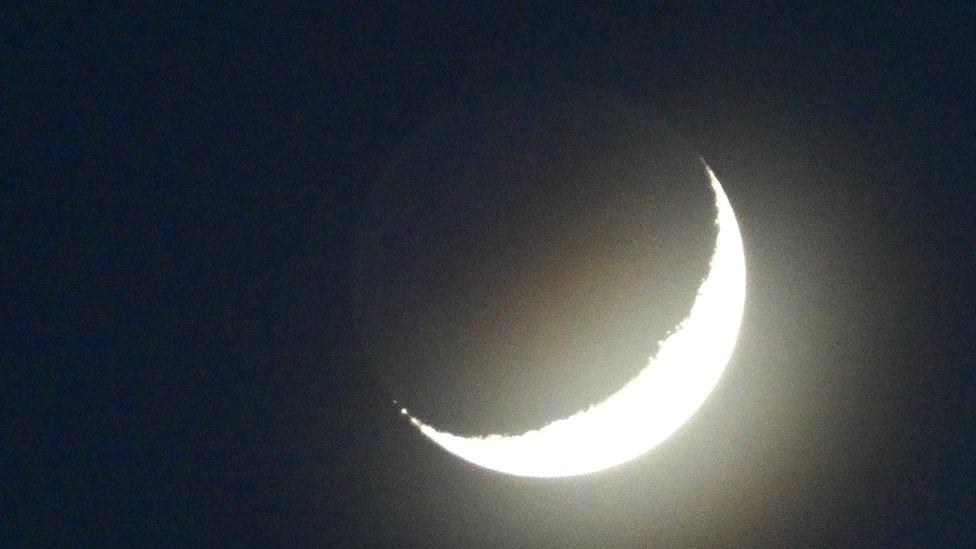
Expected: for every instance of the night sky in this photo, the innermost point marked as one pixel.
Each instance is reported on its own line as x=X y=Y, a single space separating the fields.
x=232 y=236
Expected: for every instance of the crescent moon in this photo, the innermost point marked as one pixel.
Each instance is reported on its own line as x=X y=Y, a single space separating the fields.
x=650 y=407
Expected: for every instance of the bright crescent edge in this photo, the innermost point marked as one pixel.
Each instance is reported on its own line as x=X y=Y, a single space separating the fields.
x=650 y=407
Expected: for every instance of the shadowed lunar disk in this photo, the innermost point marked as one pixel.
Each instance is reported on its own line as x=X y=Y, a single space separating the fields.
x=649 y=408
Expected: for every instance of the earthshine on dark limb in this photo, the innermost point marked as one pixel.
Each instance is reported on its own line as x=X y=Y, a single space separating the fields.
x=651 y=406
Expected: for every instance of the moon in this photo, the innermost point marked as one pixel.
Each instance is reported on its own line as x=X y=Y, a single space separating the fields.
x=650 y=407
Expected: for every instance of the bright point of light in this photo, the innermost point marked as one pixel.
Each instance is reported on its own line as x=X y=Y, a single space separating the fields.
x=651 y=406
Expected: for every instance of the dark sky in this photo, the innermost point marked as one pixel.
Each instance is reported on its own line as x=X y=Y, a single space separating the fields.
x=208 y=308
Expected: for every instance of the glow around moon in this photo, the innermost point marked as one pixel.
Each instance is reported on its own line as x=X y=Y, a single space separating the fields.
x=651 y=406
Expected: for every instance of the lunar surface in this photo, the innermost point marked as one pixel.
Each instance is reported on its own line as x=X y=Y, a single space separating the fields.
x=649 y=408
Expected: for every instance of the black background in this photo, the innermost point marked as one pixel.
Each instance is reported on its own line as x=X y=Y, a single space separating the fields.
x=183 y=188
